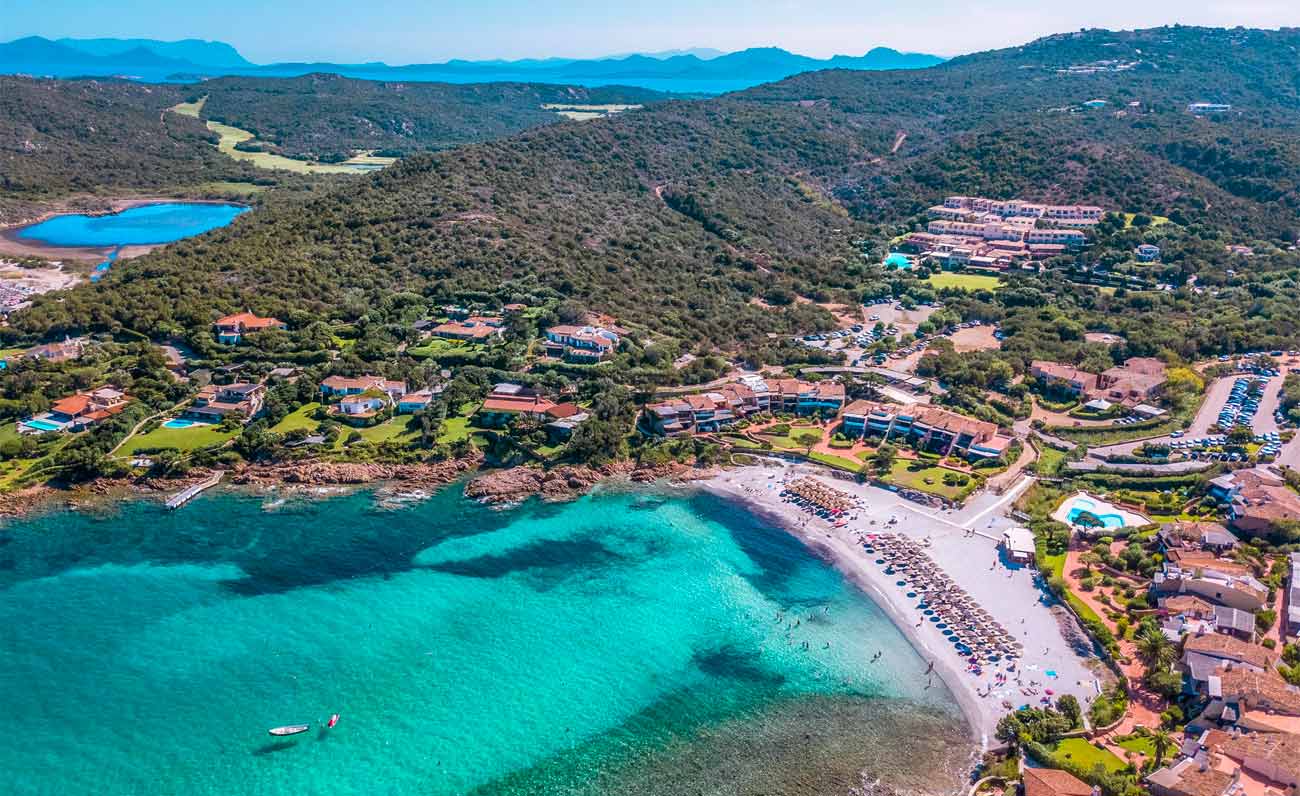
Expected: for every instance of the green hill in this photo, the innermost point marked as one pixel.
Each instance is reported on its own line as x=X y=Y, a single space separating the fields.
x=705 y=220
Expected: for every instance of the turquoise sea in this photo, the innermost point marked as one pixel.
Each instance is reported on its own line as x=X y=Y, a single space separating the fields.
x=631 y=642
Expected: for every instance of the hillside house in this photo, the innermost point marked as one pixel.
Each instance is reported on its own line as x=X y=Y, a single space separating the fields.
x=233 y=328
x=77 y=411
x=215 y=403
x=473 y=329
x=340 y=386
x=580 y=343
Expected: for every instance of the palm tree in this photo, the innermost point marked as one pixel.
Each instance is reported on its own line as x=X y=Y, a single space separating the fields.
x=1163 y=742
x=1153 y=648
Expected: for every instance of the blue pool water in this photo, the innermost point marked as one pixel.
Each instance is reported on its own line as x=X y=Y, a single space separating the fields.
x=1081 y=505
x=144 y=225
x=43 y=425
x=898 y=260
x=179 y=422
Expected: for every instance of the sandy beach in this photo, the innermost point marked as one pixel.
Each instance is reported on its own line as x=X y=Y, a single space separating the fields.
x=964 y=543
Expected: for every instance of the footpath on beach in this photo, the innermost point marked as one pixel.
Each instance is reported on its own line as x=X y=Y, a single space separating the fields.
x=1016 y=645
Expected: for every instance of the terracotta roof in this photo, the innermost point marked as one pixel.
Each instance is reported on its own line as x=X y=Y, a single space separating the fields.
x=1278 y=748
x=248 y=321
x=1256 y=688
x=1222 y=646
x=517 y=404
x=1053 y=782
x=560 y=411
x=73 y=405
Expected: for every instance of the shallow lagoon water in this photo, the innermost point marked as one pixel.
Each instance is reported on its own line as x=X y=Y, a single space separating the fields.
x=628 y=642
x=150 y=224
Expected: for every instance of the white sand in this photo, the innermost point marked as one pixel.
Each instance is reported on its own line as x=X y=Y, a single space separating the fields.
x=1011 y=595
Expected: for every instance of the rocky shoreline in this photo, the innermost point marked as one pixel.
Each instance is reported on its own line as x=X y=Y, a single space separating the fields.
x=501 y=487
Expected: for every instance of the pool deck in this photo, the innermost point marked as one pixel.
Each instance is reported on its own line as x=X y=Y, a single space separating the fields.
x=1131 y=519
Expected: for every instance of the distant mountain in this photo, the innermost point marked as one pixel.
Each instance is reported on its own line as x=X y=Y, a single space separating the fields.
x=696 y=71
x=42 y=56
x=216 y=54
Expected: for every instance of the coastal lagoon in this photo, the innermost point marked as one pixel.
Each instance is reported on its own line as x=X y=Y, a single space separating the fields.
x=148 y=225
x=629 y=642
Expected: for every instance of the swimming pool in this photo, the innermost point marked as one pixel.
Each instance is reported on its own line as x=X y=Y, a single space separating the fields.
x=180 y=422
x=42 y=425
x=1109 y=516
x=898 y=260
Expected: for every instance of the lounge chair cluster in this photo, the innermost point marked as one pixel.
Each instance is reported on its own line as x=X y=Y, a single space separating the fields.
x=812 y=494
x=969 y=627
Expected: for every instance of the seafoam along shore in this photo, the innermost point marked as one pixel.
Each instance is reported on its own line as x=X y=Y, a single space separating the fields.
x=1057 y=657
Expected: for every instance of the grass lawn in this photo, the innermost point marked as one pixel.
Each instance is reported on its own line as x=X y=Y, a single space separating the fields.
x=437 y=346
x=902 y=475
x=397 y=428
x=838 y=462
x=185 y=439
x=787 y=441
x=737 y=441
x=1142 y=744
x=299 y=418
x=454 y=429
x=963 y=281
x=1088 y=756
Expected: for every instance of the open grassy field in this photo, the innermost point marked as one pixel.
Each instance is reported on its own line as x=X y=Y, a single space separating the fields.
x=963 y=281
x=190 y=108
x=184 y=439
x=230 y=136
x=230 y=188
x=1088 y=756
x=788 y=441
x=1155 y=220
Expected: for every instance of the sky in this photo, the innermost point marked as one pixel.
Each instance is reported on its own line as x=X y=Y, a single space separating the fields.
x=429 y=31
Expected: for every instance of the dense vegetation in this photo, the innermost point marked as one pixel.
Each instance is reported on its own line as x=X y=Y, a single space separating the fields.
x=61 y=137
x=327 y=117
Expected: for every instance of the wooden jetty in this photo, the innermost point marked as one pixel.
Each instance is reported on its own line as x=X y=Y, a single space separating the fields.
x=189 y=493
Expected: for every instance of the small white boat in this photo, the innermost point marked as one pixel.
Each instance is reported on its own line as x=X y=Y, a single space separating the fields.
x=289 y=729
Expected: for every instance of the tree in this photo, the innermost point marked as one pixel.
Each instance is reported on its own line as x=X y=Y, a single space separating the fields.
x=883 y=458
x=1163 y=742
x=1068 y=705
x=807 y=439
x=1153 y=648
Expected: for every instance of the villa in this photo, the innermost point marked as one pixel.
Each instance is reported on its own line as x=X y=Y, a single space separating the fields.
x=1147 y=253
x=1197 y=775
x=580 y=343
x=1132 y=384
x=215 y=403
x=360 y=408
x=77 y=411
x=232 y=328
x=473 y=329
x=1256 y=499
x=1204 y=575
x=1193 y=535
x=508 y=402
x=337 y=386
x=1209 y=654
x=1250 y=699
x=926 y=428
x=68 y=350
x=413 y=402
x=1014 y=220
